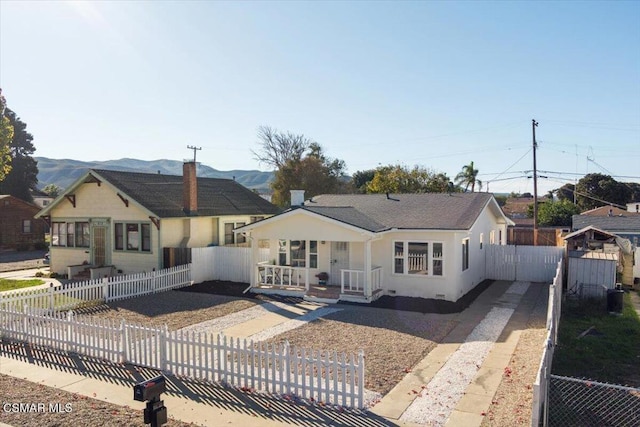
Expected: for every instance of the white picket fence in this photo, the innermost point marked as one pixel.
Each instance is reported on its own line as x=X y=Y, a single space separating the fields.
x=526 y=263
x=71 y=295
x=541 y=385
x=313 y=375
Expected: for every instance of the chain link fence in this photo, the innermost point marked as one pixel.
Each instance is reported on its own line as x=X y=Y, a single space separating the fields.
x=584 y=403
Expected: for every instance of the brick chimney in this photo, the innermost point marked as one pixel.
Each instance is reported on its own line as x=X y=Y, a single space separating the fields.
x=189 y=188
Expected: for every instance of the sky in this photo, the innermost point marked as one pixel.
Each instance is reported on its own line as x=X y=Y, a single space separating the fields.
x=435 y=84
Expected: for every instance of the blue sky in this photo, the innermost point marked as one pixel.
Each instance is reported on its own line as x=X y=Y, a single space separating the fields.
x=438 y=84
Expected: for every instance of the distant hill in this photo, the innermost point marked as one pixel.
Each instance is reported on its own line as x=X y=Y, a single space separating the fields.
x=63 y=172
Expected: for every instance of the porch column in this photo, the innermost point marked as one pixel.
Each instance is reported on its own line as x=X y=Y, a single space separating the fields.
x=367 y=268
x=252 y=260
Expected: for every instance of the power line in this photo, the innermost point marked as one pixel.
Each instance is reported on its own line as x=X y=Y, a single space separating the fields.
x=514 y=163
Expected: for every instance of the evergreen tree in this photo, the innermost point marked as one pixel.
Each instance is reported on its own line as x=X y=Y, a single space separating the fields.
x=23 y=176
x=6 y=136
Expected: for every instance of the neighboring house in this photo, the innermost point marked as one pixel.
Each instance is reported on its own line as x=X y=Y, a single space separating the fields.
x=18 y=227
x=368 y=245
x=127 y=220
x=605 y=211
x=625 y=225
x=633 y=207
x=41 y=199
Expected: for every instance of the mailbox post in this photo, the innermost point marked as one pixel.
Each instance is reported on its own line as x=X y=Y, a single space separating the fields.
x=149 y=391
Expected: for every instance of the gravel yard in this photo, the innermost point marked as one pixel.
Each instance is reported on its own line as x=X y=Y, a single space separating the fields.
x=176 y=309
x=393 y=341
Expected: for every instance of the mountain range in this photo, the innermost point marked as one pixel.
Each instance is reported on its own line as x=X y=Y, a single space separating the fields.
x=63 y=172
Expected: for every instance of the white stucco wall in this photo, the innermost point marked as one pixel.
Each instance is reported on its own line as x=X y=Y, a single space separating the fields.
x=421 y=286
x=454 y=282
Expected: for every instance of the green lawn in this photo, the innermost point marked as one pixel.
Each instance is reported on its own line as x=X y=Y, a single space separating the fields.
x=609 y=353
x=10 y=284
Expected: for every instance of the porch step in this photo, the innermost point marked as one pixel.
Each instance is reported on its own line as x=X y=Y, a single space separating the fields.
x=82 y=275
x=324 y=292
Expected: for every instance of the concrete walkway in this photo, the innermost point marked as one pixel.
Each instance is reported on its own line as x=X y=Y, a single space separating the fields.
x=211 y=405
x=478 y=395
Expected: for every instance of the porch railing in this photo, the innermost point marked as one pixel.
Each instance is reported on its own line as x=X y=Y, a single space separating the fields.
x=283 y=275
x=353 y=280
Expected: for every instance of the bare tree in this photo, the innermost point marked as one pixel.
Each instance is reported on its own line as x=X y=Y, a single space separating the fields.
x=277 y=148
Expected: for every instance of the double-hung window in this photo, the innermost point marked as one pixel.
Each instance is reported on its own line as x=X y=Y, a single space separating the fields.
x=418 y=258
x=298 y=253
x=229 y=236
x=82 y=234
x=132 y=236
x=70 y=234
x=26 y=226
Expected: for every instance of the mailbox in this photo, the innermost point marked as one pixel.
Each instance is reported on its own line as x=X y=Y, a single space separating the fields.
x=150 y=389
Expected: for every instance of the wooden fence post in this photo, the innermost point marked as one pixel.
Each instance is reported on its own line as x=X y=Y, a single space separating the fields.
x=222 y=374
x=25 y=313
x=70 y=346
x=123 y=342
x=286 y=349
x=360 y=379
x=52 y=304
x=105 y=289
x=164 y=332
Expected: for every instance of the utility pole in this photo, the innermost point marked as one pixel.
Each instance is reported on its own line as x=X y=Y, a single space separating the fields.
x=534 y=124
x=191 y=147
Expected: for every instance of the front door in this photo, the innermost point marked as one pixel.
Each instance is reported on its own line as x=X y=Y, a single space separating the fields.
x=99 y=246
x=339 y=261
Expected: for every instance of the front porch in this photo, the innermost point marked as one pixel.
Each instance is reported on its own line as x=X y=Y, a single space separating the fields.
x=299 y=282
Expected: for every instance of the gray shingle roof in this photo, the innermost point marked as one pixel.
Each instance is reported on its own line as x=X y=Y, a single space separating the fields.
x=608 y=223
x=162 y=194
x=348 y=215
x=376 y=212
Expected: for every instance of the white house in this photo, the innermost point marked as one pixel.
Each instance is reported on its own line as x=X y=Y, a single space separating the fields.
x=124 y=221
x=416 y=245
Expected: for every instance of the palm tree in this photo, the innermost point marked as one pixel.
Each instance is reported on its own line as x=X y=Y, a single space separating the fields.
x=468 y=177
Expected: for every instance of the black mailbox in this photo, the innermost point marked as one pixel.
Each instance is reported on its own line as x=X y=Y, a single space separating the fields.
x=150 y=389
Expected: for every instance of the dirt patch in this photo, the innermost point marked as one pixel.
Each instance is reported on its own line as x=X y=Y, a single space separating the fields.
x=512 y=403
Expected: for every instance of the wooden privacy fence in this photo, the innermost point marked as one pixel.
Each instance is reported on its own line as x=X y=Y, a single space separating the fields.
x=275 y=368
x=71 y=295
x=224 y=263
x=527 y=263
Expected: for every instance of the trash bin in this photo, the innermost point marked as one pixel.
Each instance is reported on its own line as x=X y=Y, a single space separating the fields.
x=614 y=300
